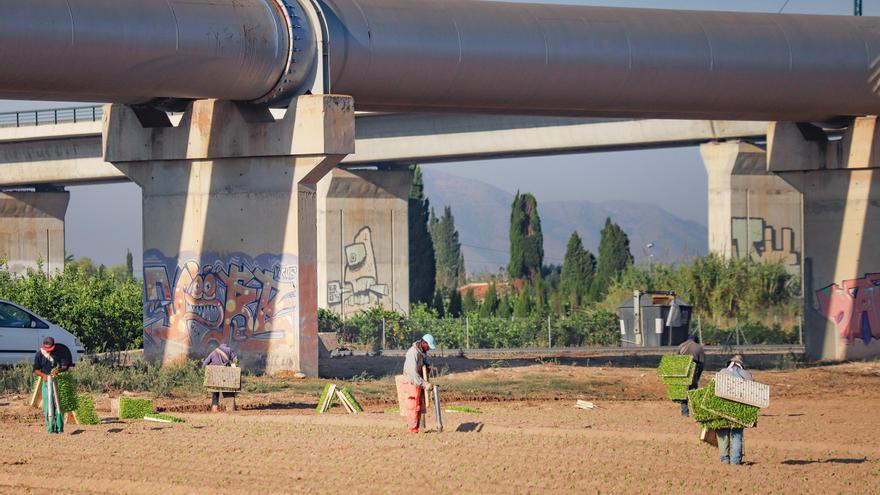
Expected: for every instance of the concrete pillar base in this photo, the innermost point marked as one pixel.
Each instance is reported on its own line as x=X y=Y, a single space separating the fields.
x=840 y=182
x=32 y=230
x=230 y=251
x=753 y=213
x=363 y=240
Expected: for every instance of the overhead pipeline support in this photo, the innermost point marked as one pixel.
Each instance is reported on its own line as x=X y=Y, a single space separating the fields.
x=465 y=56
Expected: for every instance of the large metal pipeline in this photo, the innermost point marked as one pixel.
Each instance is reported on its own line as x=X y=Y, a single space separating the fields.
x=451 y=56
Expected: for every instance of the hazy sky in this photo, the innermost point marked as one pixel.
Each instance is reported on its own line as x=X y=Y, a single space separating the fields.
x=104 y=221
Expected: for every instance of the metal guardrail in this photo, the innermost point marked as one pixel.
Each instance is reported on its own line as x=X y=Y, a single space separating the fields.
x=51 y=116
x=597 y=351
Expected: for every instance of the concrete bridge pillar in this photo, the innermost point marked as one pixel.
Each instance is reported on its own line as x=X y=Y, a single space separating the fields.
x=363 y=240
x=32 y=230
x=841 y=194
x=753 y=213
x=230 y=238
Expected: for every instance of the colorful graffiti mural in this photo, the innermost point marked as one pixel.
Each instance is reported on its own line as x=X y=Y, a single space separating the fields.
x=200 y=302
x=854 y=309
x=360 y=287
x=755 y=238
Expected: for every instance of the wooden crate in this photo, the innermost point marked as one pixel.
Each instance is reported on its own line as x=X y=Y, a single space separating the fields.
x=742 y=391
x=222 y=378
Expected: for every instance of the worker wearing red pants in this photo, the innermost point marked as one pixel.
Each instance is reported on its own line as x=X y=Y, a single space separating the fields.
x=412 y=386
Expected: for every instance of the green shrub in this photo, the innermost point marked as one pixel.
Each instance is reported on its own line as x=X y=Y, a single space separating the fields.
x=130 y=408
x=85 y=410
x=17 y=379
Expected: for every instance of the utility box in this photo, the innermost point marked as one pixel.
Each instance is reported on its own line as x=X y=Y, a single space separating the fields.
x=659 y=319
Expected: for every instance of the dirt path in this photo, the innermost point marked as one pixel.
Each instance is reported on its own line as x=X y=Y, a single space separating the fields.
x=816 y=437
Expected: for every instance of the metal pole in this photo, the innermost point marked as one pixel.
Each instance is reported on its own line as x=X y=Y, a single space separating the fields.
x=549 y=333
x=467 y=332
x=700 y=328
x=736 y=329
x=858 y=8
x=383 y=333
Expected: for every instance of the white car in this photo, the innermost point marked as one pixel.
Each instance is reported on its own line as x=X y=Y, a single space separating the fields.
x=22 y=334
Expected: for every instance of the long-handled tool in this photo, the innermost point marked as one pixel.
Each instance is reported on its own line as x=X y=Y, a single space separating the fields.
x=437 y=409
x=50 y=388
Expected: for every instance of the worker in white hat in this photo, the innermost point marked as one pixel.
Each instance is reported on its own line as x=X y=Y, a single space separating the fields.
x=414 y=386
x=730 y=440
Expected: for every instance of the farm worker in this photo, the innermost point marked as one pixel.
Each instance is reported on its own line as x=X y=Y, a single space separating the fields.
x=50 y=361
x=223 y=355
x=730 y=440
x=413 y=384
x=692 y=347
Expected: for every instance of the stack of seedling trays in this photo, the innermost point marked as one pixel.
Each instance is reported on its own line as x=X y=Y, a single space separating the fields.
x=717 y=413
x=332 y=393
x=677 y=372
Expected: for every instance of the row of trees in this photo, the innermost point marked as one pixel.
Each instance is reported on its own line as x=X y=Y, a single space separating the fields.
x=100 y=306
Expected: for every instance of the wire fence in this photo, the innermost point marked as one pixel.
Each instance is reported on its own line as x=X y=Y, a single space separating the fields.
x=51 y=116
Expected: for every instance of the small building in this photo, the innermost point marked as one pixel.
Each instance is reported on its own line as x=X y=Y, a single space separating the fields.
x=661 y=319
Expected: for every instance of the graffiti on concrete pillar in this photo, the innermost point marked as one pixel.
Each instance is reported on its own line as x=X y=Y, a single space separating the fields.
x=202 y=301
x=760 y=241
x=360 y=287
x=854 y=308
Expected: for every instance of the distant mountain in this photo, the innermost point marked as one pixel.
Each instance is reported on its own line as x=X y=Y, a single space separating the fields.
x=482 y=215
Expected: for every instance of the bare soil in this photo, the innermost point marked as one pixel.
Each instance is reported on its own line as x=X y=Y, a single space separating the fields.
x=817 y=436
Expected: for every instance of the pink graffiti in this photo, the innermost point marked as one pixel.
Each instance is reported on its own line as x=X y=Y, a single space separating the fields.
x=854 y=308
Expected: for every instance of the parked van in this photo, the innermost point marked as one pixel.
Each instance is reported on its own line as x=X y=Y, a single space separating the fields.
x=22 y=333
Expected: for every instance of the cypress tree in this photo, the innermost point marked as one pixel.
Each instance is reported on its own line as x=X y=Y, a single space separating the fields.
x=504 y=310
x=526 y=238
x=469 y=303
x=422 y=265
x=490 y=302
x=578 y=271
x=455 y=303
x=438 y=304
x=450 y=272
x=523 y=304
x=129 y=264
x=614 y=258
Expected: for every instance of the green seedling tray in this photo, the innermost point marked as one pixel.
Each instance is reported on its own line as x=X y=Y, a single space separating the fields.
x=130 y=408
x=351 y=400
x=704 y=417
x=85 y=410
x=743 y=414
x=163 y=418
x=328 y=395
x=65 y=384
x=674 y=365
x=677 y=392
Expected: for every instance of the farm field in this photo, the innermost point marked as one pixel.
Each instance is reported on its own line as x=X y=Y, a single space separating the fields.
x=816 y=437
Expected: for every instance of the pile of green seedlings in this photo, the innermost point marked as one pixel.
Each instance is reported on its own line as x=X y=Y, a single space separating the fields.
x=715 y=413
x=677 y=373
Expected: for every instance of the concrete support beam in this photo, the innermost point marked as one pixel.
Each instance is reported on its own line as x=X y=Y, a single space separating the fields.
x=840 y=182
x=752 y=212
x=32 y=230
x=363 y=240
x=230 y=252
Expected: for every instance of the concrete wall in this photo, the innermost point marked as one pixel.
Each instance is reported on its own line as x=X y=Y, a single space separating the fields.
x=752 y=212
x=840 y=182
x=363 y=240
x=32 y=229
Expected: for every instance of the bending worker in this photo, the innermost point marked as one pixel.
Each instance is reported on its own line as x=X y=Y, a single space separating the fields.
x=730 y=440
x=223 y=355
x=49 y=361
x=414 y=385
x=692 y=347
